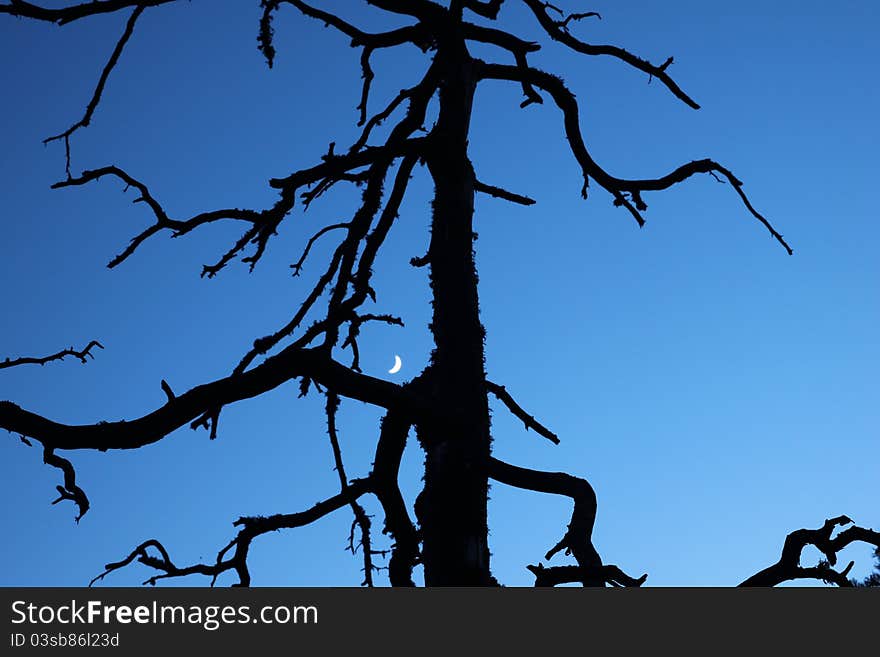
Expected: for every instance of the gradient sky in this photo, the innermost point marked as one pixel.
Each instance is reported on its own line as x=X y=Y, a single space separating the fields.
x=716 y=392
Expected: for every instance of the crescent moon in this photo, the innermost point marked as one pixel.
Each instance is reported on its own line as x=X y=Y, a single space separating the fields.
x=397 y=365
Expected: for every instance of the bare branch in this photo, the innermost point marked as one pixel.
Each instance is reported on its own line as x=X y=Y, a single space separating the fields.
x=398 y=525
x=418 y=97
x=517 y=47
x=626 y=193
x=99 y=89
x=420 y=261
x=64 y=15
x=163 y=221
x=485 y=8
x=574 y=18
x=556 y=575
x=498 y=192
x=325 y=17
x=424 y=10
x=263 y=223
x=354 y=329
x=374 y=240
x=360 y=225
x=361 y=519
x=528 y=420
x=70 y=490
x=558 y=31
x=339 y=308
x=409 y=34
x=788 y=567
x=578 y=539
x=83 y=355
x=252 y=527
x=334 y=165
x=340 y=266
x=289 y=363
x=264 y=344
x=414 y=34
x=498 y=38
x=163 y=563
x=297 y=266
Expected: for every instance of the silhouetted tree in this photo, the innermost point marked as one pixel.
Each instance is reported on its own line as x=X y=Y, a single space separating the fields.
x=447 y=403
x=874 y=578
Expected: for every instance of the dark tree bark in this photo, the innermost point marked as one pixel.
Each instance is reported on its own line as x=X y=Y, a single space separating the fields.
x=447 y=403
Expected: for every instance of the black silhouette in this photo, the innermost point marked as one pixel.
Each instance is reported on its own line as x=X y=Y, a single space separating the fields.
x=447 y=403
x=873 y=579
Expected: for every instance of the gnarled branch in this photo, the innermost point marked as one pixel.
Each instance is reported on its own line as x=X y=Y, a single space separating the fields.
x=289 y=363
x=558 y=31
x=626 y=192
x=578 y=539
x=788 y=567
x=251 y=528
x=70 y=490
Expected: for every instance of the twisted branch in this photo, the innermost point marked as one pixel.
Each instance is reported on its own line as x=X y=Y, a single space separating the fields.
x=558 y=31
x=788 y=567
x=578 y=538
x=163 y=221
x=252 y=527
x=626 y=193
x=289 y=363
x=70 y=490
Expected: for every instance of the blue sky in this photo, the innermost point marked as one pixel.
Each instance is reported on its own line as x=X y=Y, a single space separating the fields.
x=716 y=392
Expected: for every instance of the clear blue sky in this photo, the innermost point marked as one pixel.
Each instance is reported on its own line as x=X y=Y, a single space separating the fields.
x=716 y=392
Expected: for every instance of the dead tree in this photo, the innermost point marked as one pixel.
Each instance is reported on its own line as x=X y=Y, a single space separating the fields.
x=446 y=405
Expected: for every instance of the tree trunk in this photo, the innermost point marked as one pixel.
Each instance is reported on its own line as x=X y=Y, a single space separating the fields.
x=452 y=506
